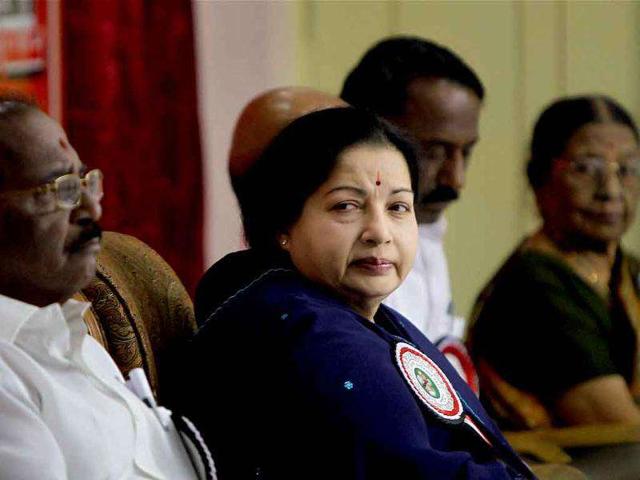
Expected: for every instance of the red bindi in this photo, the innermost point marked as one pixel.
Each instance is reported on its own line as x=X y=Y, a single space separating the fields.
x=378 y=182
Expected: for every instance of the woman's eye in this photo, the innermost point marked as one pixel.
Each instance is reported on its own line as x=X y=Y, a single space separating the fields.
x=628 y=170
x=400 y=207
x=581 y=167
x=590 y=165
x=345 y=206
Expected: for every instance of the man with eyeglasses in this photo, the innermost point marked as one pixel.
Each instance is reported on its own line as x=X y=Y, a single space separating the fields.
x=65 y=412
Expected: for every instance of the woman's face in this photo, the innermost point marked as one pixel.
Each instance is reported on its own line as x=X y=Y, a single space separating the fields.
x=357 y=233
x=593 y=188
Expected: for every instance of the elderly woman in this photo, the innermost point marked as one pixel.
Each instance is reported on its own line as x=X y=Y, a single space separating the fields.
x=298 y=371
x=555 y=335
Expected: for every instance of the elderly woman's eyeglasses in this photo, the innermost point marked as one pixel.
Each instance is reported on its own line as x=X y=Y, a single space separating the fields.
x=67 y=189
x=597 y=169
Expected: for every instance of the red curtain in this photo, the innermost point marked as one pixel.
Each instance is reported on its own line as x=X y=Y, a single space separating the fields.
x=130 y=108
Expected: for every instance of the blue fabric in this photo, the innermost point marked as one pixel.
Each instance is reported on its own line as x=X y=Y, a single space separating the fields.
x=287 y=382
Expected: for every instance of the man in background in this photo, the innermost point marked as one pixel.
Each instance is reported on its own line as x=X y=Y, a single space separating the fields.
x=431 y=93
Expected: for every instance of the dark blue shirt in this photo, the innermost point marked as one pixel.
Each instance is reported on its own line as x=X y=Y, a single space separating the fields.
x=287 y=382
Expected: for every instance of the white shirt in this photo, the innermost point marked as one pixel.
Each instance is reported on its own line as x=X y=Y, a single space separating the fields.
x=425 y=295
x=65 y=412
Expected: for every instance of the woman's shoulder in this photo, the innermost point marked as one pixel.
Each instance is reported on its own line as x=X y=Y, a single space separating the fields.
x=236 y=276
x=527 y=269
x=518 y=268
x=247 y=290
x=531 y=284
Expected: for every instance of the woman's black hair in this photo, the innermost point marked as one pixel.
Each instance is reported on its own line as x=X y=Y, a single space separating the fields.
x=557 y=124
x=299 y=160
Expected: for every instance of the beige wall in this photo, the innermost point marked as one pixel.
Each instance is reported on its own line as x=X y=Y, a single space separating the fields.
x=526 y=53
x=242 y=49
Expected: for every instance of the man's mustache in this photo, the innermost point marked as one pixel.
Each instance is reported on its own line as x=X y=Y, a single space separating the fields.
x=441 y=193
x=92 y=230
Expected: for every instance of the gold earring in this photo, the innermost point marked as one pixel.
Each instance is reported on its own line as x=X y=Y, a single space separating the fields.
x=284 y=242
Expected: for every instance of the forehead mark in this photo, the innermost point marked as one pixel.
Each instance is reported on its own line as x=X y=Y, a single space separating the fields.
x=378 y=182
x=602 y=112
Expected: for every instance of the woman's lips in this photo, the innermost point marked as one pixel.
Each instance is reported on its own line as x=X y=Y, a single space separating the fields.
x=611 y=217
x=373 y=265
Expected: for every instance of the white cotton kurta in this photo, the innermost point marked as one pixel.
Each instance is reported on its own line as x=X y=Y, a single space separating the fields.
x=425 y=295
x=65 y=412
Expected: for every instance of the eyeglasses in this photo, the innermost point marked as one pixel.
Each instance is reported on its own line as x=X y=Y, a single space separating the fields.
x=597 y=169
x=67 y=189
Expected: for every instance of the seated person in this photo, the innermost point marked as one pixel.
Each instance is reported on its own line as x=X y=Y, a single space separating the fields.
x=559 y=322
x=65 y=412
x=259 y=122
x=313 y=377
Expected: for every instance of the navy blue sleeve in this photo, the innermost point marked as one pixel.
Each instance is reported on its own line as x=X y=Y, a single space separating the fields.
x=285 y=391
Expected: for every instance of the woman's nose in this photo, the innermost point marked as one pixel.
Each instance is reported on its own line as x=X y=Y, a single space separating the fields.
x=376 y=229
x=610 y=183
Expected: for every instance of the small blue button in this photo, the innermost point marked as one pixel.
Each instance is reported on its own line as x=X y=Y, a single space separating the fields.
x=348 y=385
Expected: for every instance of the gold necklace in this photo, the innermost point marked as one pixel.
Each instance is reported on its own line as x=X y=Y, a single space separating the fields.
x=588 y=271
x=581 y=263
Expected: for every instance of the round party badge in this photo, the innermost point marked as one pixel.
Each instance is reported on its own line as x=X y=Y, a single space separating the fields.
x=429 y=383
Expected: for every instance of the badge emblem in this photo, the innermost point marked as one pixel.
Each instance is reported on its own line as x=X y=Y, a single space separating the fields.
x=429 y=383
